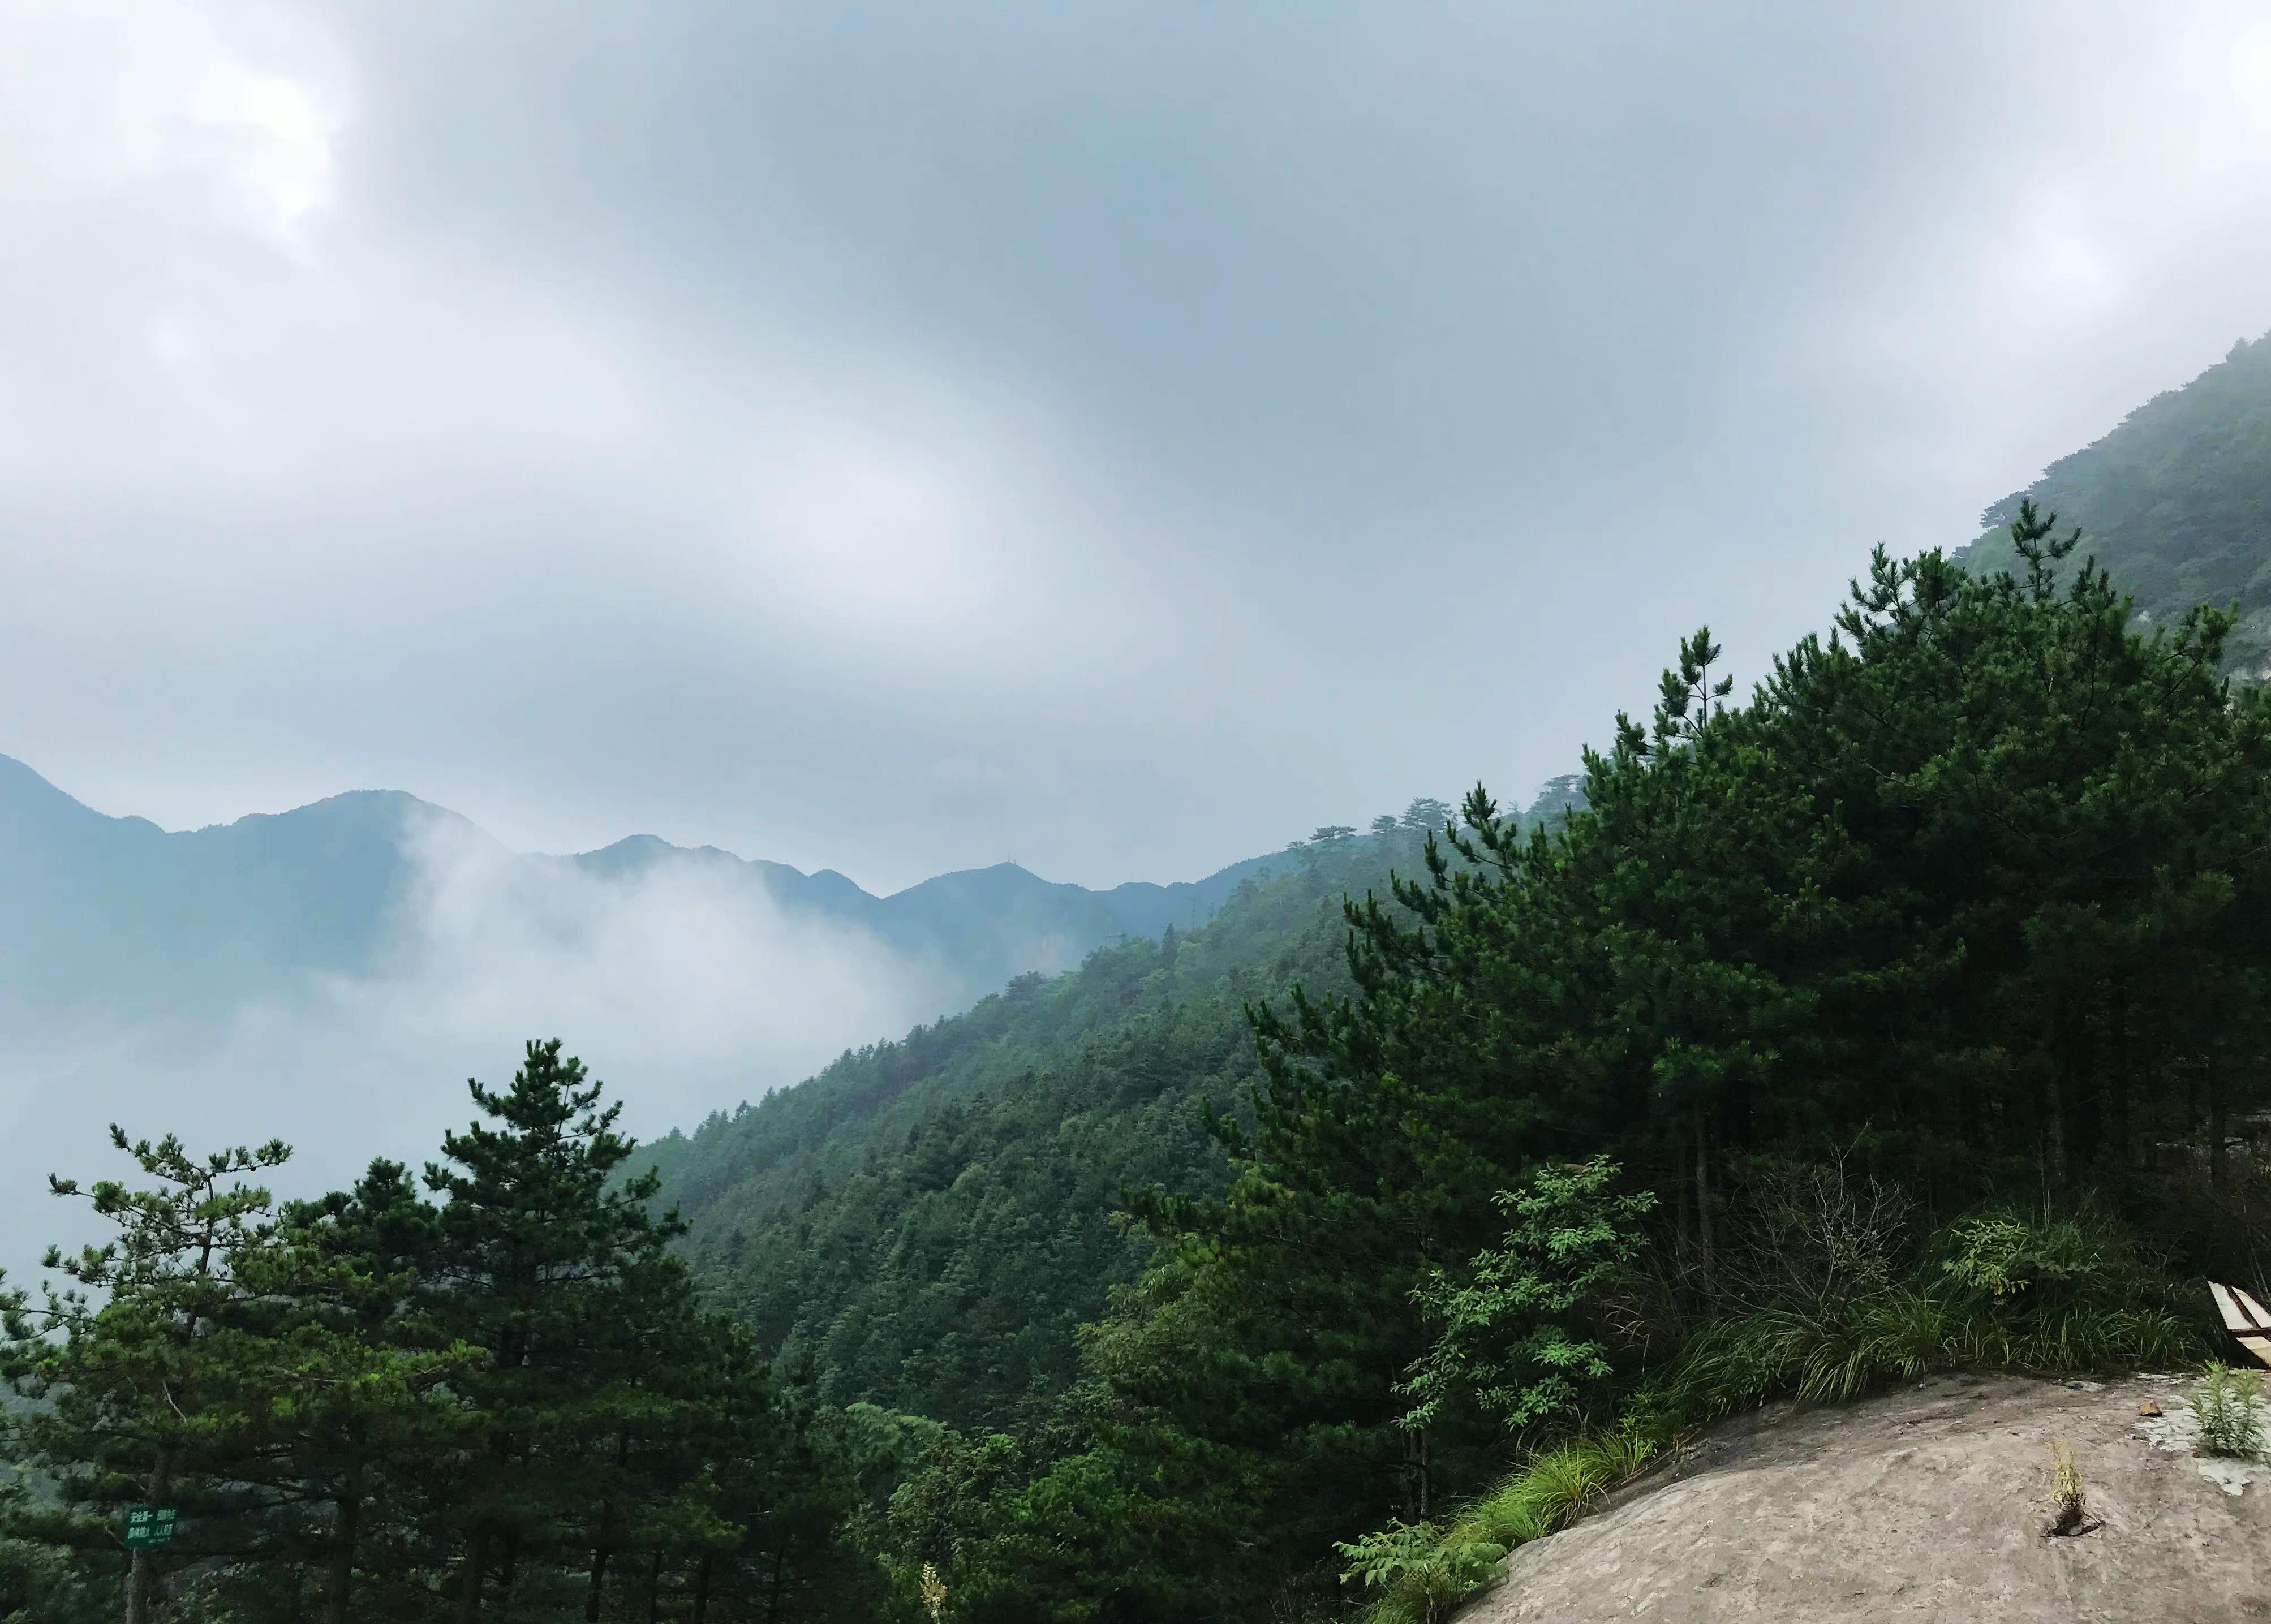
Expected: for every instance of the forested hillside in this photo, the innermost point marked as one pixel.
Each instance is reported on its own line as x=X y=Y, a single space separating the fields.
x=925 y=1223
x=2175 y=502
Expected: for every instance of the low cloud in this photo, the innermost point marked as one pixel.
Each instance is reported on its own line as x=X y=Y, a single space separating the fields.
x=683 y=985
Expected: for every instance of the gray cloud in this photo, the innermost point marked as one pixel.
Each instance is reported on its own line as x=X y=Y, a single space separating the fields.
x=896 y=437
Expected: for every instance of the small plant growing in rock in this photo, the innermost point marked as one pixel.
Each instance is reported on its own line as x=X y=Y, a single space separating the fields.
x=2069 y=1500
x=2225 y=1408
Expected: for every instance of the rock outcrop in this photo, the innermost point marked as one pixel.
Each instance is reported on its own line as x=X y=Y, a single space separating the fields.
x=1928 y=1504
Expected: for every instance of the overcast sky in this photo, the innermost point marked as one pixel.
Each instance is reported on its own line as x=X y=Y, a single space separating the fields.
x=894 y=438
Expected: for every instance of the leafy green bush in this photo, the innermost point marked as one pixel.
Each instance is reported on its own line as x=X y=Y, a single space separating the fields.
x=1429 y=1571
x=2225 y=1408
x=2010 y=1256
x=1509 y=1342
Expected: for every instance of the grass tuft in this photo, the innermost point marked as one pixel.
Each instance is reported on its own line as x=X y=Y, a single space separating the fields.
x=1550 y=1492
x=2069 y=1500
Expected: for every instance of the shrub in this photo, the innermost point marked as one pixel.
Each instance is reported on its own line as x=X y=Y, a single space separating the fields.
x=2008 y=1255
x=1428 y=1570
x=1510 y=1342
x=1805 y=1234
x=2004 y=1290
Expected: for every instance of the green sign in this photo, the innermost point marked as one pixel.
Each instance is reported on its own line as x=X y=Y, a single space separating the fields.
x=149 y=1525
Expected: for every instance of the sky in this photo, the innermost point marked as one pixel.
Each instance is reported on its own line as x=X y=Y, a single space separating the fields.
x=1120 y=437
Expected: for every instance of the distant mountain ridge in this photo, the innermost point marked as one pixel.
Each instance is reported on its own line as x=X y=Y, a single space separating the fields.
x=115 y=916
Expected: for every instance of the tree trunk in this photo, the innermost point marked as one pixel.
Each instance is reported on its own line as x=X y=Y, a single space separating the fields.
x=599 y=1585
x=2123 y=1147
x=1704 y=1202
x=142 y=1572
x=702 y=1589
x=511 y=1576
x=2217 y=1127
x=346 y=1530
x=608 y=1531
x=469 y=1585
x=2057 y=1129
x=1680 y=1227
x=654 y=1591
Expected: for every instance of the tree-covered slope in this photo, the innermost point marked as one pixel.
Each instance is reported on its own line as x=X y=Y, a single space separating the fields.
x=924 y=1223
x=2175 y=502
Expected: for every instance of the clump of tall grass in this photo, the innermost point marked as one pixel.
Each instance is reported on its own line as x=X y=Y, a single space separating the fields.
x=2225 y=1407
x=1549 y=1491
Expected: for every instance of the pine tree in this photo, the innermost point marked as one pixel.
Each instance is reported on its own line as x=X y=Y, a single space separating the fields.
x=374 y=1405
x=546 y=1263
x=156 y=1394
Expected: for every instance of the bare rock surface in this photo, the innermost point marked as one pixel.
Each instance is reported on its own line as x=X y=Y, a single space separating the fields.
x=1926 y=1504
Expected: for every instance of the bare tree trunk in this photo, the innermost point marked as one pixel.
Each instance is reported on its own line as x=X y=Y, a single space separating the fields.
x=1704 y=1202
x=654 y=1590
x=702 y=1589
x=1680 y=1226
x=604 y=1548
